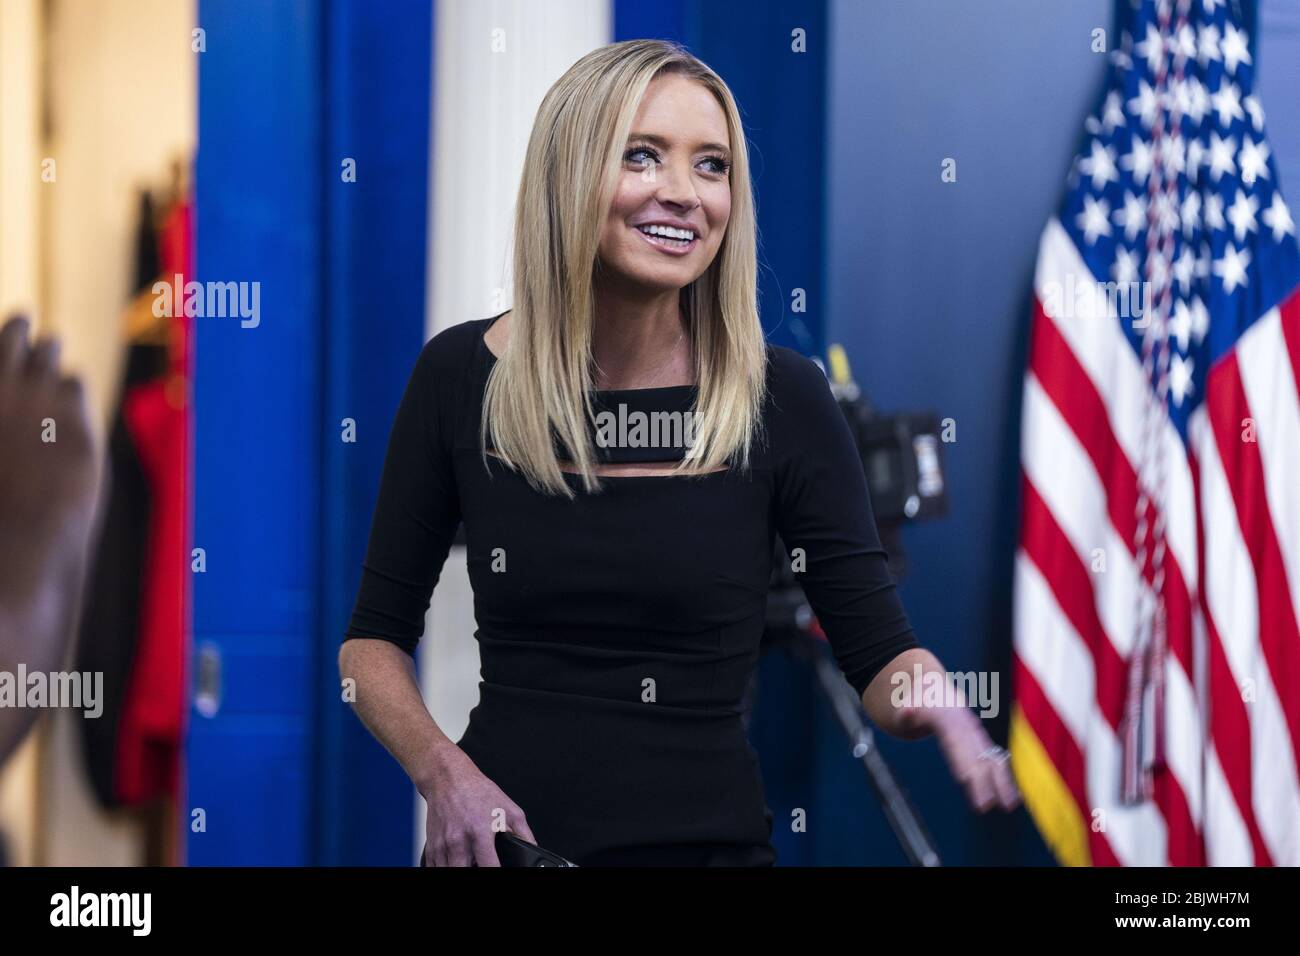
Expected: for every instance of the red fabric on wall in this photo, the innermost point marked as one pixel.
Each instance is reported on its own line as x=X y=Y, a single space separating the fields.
x=151 y=731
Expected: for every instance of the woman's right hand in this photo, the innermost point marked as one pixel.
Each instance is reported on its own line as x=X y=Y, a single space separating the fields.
x=465 y=812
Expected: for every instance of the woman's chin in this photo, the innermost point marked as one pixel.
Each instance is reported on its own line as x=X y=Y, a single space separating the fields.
x=660 y=274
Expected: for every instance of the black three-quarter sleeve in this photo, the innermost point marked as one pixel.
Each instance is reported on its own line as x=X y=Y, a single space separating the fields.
x=823 y=507
x=418 y=508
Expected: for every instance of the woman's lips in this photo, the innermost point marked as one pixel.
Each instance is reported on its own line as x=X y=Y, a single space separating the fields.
x=672 y=247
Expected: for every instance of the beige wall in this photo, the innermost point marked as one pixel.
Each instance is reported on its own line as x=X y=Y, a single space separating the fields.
x=19 y=155
x=122 y=103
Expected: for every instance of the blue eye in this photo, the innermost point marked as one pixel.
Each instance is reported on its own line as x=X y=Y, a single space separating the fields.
x=720 y=165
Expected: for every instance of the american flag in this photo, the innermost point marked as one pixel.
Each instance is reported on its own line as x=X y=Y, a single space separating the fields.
x=1157 y=653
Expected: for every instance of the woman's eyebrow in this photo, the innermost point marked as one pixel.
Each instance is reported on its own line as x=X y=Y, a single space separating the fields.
x=664 y=144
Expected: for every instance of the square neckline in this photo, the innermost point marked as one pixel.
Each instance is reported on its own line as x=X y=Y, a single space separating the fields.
x=500 y=464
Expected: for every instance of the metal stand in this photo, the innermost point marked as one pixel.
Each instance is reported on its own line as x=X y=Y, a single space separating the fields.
x=899 y=812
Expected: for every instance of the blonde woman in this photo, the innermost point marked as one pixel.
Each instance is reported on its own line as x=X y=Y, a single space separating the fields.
x=620 y=569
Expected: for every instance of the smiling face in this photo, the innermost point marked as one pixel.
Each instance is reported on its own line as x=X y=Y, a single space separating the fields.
x=673 y=199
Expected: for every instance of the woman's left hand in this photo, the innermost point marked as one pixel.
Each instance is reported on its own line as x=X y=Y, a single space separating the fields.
x=981 y=767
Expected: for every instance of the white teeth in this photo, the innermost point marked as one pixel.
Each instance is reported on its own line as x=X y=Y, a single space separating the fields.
x=668 y=232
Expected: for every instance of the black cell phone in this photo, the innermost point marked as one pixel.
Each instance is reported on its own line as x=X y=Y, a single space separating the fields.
x=513 y=851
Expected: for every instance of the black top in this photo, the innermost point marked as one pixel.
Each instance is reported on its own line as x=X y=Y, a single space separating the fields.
x=617 y=631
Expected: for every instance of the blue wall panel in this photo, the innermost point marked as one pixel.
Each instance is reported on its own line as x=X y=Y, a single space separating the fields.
x=377 y=91
x=781 y=95
x=1277 y=61
x=256 y=445
x=665 y=20
x=284 y=771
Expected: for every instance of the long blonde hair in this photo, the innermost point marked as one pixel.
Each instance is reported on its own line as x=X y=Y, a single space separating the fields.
x=538 y=391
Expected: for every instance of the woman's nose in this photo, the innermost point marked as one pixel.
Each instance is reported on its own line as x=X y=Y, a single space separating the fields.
x=676 y=187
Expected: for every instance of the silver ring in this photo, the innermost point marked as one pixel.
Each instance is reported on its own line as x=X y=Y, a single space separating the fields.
x=997 y=753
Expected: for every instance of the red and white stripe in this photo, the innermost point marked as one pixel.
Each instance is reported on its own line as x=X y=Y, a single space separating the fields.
x=1230 y=794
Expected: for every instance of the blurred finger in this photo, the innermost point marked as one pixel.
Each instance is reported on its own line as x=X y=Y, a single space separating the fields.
x=43 y=357
x=980 y=789
x=13 y=344
x=1005 y=782
x=72 y=390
